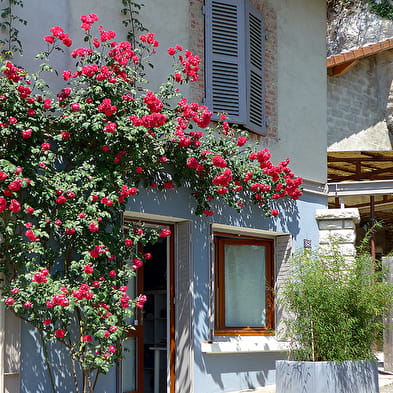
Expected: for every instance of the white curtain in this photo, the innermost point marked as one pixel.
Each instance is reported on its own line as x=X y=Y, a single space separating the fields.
x=245 y=285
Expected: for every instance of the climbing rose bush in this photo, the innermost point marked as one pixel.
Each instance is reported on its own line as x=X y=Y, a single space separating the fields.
x=68 y=164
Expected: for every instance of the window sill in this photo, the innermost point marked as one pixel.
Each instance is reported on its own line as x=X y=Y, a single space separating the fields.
x=265 y=344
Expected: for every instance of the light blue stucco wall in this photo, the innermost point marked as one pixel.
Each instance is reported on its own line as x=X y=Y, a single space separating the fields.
x=215 y=373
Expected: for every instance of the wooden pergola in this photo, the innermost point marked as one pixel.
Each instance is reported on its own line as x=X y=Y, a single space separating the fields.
x=362 y=179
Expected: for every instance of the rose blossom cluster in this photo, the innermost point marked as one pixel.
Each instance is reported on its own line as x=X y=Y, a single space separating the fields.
x=190 y=63
x=87 y=152
x=58 y=33
x=10 y=185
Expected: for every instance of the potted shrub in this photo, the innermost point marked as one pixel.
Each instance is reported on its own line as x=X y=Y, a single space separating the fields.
x=334 y=307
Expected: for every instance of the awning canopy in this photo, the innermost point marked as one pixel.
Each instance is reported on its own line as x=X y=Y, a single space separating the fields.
x=359 y=178
x=360 y=165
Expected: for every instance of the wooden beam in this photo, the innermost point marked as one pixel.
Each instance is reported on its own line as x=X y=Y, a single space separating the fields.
x=342 y=68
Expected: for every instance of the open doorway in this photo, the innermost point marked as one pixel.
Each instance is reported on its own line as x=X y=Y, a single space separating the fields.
x=149 y=364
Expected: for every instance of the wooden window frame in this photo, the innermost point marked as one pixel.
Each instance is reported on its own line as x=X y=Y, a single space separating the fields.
x=220 y=329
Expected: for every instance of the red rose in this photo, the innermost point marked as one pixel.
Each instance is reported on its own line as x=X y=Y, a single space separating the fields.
x=141 y=301
x=93 y=227
x=67 y=41
x=70 y=231
x=137 y=263
x=47 y=103
x=165 y=232
x=60 y=333
x=3 y=204
x=241 y=141
x=112 y=273
x=49 y=38
x=61 y=199
x=15 y=185
x=88 y=269
x=14 y=206
x=26 y=134
x=45 y=272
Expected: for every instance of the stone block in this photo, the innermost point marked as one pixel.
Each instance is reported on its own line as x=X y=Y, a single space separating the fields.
x=340 y=235
x=346 y=249
x=337 y=214
x=331 y=224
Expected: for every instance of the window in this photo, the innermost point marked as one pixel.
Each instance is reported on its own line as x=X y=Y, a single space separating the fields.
x=244 y=282
x=234 y=55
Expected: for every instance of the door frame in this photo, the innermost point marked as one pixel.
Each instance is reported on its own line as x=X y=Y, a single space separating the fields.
x=138 y=331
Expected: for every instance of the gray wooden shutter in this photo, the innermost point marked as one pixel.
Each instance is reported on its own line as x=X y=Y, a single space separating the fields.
x=184 y=309
x=283 y=250
x=255 y=70
x=224 y=55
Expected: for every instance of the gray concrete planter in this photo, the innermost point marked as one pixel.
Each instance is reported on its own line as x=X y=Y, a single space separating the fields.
x=326 y=377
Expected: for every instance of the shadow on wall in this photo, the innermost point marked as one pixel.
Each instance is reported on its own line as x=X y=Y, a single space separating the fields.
x=250 y=370
x=34 y=372
x=349 y=376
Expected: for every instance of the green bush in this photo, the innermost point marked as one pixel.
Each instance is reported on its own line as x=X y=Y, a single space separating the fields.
x=334 y=306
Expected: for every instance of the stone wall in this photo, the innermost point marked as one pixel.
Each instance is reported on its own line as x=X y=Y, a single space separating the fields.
x=341 y=225
x=351 y=25
x=357 y=105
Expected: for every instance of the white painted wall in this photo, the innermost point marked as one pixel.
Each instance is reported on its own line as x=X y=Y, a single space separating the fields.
x=302 y=86
x=301 y=73
x=159 y=16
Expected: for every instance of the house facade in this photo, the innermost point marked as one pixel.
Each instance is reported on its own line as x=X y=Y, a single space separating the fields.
x=211 y=323
x=360 y=94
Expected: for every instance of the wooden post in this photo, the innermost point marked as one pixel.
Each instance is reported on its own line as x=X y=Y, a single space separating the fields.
x=372 y=218
x=387 y=263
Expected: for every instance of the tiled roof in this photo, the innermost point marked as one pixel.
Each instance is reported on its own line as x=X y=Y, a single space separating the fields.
x=355 y=54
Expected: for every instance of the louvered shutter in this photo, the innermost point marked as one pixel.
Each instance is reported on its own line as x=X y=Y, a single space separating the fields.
x=255 y=70
x=225 y=54
x=184 y=309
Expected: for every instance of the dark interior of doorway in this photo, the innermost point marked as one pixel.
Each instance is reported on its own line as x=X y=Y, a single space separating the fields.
x=155 y=316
